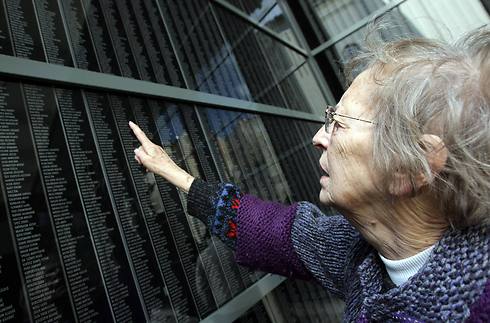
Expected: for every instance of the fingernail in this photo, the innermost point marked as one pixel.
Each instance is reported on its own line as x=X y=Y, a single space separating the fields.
x=136 y=150
x=131 y=123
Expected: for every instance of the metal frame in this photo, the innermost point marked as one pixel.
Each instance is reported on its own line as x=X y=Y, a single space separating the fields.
x=245 y=300
x=361 y=23
x=62 y=75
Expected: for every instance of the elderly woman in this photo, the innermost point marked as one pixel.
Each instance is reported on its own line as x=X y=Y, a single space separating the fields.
x=406 y=160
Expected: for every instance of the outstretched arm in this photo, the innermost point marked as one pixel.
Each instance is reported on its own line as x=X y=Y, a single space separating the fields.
x=218 y=205
x=295 y=241
x=259 y=231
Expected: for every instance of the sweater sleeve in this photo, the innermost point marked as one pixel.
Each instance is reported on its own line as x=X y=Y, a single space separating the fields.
x=327 y=245
x=264 y=238
x=294 y=241
x=259 y=231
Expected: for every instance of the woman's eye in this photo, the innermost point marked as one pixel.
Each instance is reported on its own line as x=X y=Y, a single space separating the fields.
x=337 y=125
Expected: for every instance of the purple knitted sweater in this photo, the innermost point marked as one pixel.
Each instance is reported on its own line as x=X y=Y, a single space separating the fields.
x=299 y=241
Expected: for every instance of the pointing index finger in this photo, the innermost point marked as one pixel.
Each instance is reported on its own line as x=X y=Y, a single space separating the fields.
x=142 y=138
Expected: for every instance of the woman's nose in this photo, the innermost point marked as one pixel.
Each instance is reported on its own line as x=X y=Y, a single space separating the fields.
x=321 y=139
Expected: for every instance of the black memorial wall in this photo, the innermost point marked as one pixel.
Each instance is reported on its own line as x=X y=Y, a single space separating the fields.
x=87 y=233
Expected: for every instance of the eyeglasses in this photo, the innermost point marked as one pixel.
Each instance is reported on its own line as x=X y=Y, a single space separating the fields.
x=330 y=113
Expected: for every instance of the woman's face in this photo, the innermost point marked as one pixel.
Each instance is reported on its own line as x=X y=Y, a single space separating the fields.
x=349 y=182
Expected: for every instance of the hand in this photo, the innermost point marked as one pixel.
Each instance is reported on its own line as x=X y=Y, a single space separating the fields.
x=156 y=160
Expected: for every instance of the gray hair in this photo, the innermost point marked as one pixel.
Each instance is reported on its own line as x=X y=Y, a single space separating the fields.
x=430 y=87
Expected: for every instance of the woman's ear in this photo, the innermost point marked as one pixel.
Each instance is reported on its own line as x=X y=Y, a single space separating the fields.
x=436 y=153
x=401 y=185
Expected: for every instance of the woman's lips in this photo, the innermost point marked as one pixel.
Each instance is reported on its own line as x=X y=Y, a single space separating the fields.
x=325 y=170
x=325 y=177
x=323 y=180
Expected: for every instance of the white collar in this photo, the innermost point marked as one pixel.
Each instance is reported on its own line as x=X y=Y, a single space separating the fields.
x=401 y=270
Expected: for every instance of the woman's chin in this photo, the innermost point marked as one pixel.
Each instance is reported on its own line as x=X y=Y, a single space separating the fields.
x=325 y=197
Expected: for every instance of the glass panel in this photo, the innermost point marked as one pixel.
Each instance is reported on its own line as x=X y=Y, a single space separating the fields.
x=302 y=91
x=206 y=62
x=119 y=236
x=347 y=48
x=192 y=153
x=29 y=223
x=291 y=140
x=267 y=13
x=130 y=39
x=255 y=9
x=241 y=141
x=26 y=38
x=261 y=60
x=258 y=154
x=237 y=3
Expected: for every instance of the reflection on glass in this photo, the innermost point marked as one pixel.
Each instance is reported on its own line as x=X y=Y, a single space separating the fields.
x=263 y=61
x=175 y=228
x=203 y=53
x=204 y=297
x=276 y=20
x=347 y=48
x=338 y=15
x=300 y=301
x=208 y=269
x=438 y=19
x=257 y=314
x=267 y=13
x=241 y=141
x=291 y=140
x=281 y=58
x=255 y=9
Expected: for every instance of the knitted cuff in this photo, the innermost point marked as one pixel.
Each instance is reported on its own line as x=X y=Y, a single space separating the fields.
x=216 y=206
x=201 y=200
x=224 y=223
